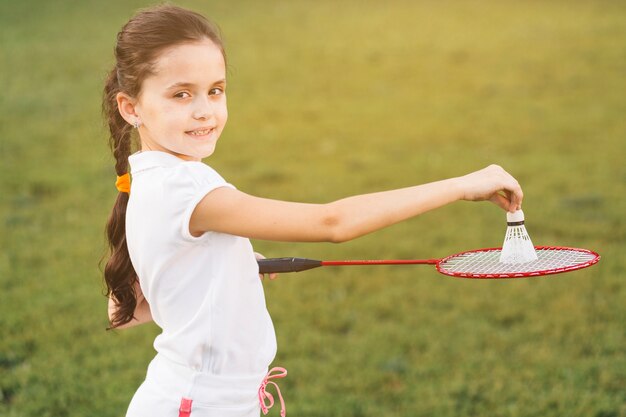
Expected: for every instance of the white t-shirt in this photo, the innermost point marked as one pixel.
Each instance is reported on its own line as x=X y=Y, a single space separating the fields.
x=204 y=292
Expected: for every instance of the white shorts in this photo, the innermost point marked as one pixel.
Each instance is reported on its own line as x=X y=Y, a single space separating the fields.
x=172 y=390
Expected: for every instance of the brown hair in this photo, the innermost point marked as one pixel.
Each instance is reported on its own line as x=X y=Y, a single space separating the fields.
x=138 y=46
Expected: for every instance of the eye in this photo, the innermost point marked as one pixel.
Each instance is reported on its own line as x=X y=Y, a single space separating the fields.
x=182 y=94
x=216 y=91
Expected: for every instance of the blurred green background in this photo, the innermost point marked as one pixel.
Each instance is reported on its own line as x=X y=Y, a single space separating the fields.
x=329 y=99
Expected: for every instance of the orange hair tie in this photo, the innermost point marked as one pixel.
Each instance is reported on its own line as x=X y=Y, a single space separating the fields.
x=123 y=183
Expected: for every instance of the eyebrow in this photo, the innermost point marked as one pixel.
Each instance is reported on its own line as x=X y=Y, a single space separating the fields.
x=187 y=84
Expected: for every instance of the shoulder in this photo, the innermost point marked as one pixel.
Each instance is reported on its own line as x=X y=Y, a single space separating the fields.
x=200 y=170
x=194 y=175
x=197 y=172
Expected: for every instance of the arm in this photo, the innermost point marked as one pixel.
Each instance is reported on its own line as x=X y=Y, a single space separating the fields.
x=230 y=211
x=142 y=311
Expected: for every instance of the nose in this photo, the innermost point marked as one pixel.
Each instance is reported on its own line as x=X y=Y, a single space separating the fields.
x=203 y=108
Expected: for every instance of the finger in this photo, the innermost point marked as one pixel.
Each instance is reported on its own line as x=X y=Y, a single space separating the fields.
x=512 y=205
x=518 y=199
x=515 y=197
x=500 y=201
x=514 y=193
x=273 y=276
x=258 y=257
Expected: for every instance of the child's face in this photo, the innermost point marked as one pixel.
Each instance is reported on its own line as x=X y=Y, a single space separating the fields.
x=182 y=107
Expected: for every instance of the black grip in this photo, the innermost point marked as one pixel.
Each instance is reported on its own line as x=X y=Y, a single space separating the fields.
x=271 y=265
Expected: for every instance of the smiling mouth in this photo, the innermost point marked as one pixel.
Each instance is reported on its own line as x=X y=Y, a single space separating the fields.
x=200 y=132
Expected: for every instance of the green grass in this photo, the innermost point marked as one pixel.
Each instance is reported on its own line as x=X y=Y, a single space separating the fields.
x=329 y=99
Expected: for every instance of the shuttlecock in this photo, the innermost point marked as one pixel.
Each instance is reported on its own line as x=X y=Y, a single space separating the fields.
x=517 y=247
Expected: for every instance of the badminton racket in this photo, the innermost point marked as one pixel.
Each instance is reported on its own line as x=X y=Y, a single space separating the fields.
x=480 y=263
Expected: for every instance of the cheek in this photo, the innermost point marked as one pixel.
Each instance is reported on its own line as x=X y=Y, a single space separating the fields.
x=223 y=113
x=172 y=116
x=160 y=112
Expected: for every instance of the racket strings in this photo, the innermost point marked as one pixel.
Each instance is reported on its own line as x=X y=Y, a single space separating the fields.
x=487 y=262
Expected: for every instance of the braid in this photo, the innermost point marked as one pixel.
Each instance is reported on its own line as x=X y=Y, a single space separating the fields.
x=119 y=274
x=120 y=139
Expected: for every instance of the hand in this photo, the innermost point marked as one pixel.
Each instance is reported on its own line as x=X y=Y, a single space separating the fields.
x=494 y=184
x=273 y=276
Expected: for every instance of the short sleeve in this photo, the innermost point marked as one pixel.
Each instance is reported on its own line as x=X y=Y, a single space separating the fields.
x=188 y=183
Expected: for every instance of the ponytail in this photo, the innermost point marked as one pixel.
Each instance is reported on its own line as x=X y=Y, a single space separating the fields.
x=119 y=275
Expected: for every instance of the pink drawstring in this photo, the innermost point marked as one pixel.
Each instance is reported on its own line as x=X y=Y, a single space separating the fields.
x=282 y=372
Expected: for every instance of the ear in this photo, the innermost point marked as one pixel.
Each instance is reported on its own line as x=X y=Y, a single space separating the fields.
x=126 y=107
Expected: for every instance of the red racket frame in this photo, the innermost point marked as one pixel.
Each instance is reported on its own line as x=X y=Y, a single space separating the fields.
x=521 y=274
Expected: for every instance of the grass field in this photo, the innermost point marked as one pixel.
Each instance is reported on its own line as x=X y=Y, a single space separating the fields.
x=329 y=99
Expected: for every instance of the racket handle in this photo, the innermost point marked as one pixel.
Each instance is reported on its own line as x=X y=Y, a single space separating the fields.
x=272 y=265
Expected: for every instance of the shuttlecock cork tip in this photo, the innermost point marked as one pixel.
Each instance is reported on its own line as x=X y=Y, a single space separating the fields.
x=516 y=217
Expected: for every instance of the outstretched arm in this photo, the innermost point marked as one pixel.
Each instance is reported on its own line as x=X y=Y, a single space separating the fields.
x=230 y=211
x=142 y=310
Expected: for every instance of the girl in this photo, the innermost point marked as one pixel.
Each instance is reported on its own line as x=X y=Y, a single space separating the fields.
x=180 y=253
